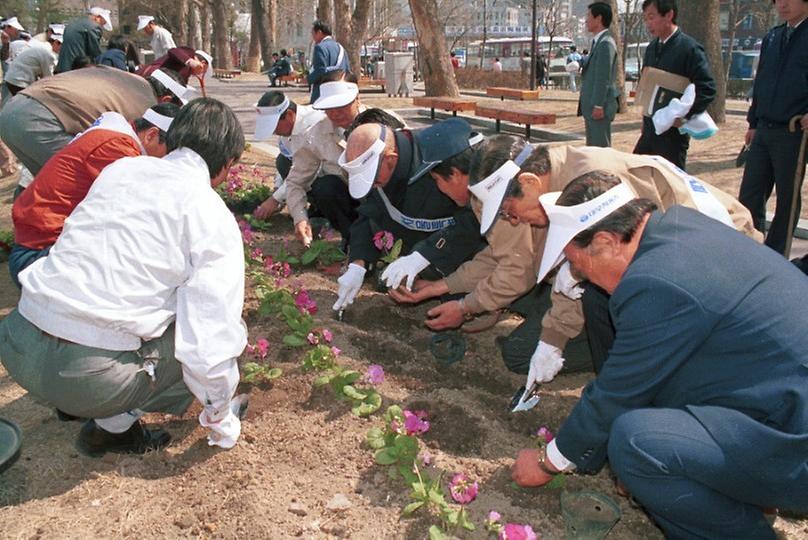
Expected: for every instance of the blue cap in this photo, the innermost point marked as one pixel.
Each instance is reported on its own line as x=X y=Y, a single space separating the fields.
x=441 y=141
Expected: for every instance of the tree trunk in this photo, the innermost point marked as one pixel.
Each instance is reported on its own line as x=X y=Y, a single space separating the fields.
x=261 y=22
x=359 y=28
x=342 y=21
x=438 y=74
x=222 y=57
x=732 y=25
x=325 y=12
x=205 y=24
x=194 y=28
x=699 y=18
x=272 y=25
x=182 y=21
x=485 y=37
x=614 y=28
x=253 y=63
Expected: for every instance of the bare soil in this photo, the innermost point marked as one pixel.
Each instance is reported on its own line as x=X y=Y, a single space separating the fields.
x=301 y=447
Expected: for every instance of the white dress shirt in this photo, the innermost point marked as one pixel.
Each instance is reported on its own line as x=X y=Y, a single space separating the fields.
x=30 y=65
x=151 y=244
x=305 y=118
x=161 y=41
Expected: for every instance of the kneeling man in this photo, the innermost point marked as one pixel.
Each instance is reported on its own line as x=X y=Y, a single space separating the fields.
x=137 y=308
x=701 y=408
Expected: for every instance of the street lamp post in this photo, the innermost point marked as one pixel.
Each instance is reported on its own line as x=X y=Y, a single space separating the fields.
x=533 y=48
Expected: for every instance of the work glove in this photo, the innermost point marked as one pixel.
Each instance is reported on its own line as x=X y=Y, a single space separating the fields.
x=405 y=267
x=566 y=284
x=349 y=284
x=545 y=363
x=225 y=427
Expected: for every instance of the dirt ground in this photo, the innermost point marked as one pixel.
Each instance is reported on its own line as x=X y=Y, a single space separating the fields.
x=300 y=447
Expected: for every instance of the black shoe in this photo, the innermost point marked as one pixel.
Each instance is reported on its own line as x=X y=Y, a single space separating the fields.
x=95 y=442
x=64 y=417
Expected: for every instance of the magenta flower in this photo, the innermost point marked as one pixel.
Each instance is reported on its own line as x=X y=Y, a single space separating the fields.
x=328 y=234
x=312 y=338
x=515 y=531
x=494 y=516
x=327 y=335
x=426 y=458
x=305 y=303
x=336 y=351
x=383 y=240
x=257 y=253
x=545 y=434
x=415 y=423
x=463 y=490
x=247 y=235
x=375 y=374
x=260 y=349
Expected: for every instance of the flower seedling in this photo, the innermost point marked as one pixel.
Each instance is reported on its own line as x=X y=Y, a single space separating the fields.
x=385 y=242
x=257 y=371
x=323 y=253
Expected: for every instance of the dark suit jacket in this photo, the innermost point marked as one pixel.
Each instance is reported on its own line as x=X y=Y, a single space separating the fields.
x=598 y=87
x=82 y=37
x=324 y=59
x=709 y=321
x=781 y=84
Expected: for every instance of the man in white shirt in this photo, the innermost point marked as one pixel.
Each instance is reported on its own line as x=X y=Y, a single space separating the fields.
x=161 y=40
x=32 y=64
x=138 y=306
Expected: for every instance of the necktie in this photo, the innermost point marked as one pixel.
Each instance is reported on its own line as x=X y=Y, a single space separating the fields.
x=789 y=33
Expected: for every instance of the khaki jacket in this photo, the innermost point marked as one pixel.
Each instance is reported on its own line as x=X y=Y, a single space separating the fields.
x=649 y=179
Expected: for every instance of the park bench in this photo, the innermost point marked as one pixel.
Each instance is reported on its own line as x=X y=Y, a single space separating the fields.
x=444 y=103
x=226 y=73
x=294 y=78
x=517 y=116
x=366 y=82
x=503 y=92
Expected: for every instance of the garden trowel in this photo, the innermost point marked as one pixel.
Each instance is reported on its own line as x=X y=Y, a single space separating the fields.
x=525 y=399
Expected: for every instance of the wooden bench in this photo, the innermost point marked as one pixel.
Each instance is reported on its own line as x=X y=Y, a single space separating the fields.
x=517 y=116
x=503 y=92
x=444 y=103
x=295 y=78
x=365 y=82
x=226 y=73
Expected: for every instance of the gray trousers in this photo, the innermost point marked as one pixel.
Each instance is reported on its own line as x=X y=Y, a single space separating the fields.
x=31 y=131
x=599 y=132
x=89 y=382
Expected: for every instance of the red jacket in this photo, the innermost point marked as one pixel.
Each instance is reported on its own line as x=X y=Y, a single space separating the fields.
x=40 y=211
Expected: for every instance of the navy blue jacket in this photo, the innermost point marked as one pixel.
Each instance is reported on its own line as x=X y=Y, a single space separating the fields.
x=114 y=58
x=781 y=84
x=683 y=55
x=709 y=321
x=324 y=59
x=82 y=37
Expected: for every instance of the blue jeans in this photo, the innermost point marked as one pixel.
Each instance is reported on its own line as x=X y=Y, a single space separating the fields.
x=678 y=472
x=20 y=258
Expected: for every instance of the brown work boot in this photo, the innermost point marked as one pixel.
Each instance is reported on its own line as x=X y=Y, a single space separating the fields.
x=95 y=442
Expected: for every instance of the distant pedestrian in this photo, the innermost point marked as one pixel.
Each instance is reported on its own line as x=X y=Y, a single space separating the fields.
x=496 y=65
x=161 y=40
x=541 y=71
x=328 y=56
x=599 y=79
x=455 y=60
x=573 y=67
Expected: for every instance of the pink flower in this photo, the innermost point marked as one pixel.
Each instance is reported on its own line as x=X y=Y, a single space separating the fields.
x=305 y=303
x=515 y=531
x=494 y=516
x=545 y=434
x=383 y=240
x=375 y=374
x=327 y=335
x=426 y=458
x=246 y=232
x=414 y=423
x=313 y=339
x=257 y=253
x=327 y=234
x=463 y=490
x=263 y=347
x=336 y=351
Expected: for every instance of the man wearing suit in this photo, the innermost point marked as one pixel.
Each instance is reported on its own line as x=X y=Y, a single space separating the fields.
x=702 y=406
x=675 y=52
x=780 y=94
x=328 y=56
x=598 y=89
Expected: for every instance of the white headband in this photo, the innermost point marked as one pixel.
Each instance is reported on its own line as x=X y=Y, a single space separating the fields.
x=276 y=110
x=157 y=119
x=176 y=88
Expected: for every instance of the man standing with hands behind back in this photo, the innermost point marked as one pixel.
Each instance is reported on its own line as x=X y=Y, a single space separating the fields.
x=598 y=89
x=675 y=52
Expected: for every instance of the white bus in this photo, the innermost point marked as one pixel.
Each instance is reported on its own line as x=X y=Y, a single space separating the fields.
x=511 y=50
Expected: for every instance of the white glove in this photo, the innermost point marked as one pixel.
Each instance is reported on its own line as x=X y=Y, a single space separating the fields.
x=349 y=284
x=405 y=267
x=225 y=431
x=566 y=284
x=545 y=363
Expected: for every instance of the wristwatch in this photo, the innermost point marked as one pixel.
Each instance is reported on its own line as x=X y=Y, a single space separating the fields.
x=542 y=461
x=466 y=316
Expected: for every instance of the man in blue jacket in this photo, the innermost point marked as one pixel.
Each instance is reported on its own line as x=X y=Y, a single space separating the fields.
x=701 y=408
x=328 y=56
x=780 y=94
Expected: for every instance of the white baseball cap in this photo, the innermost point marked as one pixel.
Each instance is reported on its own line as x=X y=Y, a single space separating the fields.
x=267 y=119
x=336 y=94
x=106 y=14
x=491 y=191
x=14 y=23
x=57 y=28
x=362 y=171
x=143 y=21
x=567 y=221
x=58 y=37
x=209 y=59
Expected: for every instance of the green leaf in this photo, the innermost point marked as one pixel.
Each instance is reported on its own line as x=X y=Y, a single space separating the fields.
x=436 y=497
x=274 y=373
x=290 y=312
x=393 y=411
x=396 y=251
x=435 y=533
x=293 y=340
x=558 y=482
x=412 y=507
x=293 y=261
x=406 y=472
x=370 y=405
x=452 y=516
x=463 y=520
x=375 y=438
x=419 y=490
x=353 y=393
x=350 y=376
x=386 y=457
x=322 y=380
